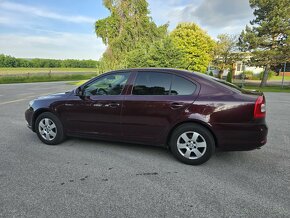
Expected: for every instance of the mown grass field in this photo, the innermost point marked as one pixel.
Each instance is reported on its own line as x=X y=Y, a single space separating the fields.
x=25 y=71
x=269 y=88
x=27 y=75
x=45 y=78
x=279 y=78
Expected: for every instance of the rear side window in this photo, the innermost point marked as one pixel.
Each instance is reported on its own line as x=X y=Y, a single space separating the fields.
x=181 y=86
x=152 y=83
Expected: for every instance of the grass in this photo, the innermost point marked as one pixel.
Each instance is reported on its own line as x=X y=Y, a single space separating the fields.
x=279 y=78
x=25 y=71
x=269 y=88
x=44 y=78
x=77 y=83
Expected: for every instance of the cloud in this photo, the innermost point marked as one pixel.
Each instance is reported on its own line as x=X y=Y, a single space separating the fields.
x=222 y=13
x=40 y=12
x=52 y=45
x=215 y=16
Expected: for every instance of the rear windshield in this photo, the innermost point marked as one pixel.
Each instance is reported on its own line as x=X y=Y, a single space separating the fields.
x=222 y=82
x=229 y=85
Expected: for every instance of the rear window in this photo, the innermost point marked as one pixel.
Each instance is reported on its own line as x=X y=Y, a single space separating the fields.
x=222 y=82
x=229 y=85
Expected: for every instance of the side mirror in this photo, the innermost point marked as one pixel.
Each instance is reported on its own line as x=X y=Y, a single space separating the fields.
x=79 y=92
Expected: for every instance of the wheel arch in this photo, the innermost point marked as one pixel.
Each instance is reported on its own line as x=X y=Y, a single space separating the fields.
x=203 y=124
x=36 y=114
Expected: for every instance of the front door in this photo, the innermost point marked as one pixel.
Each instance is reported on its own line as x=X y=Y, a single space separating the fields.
x=97 y=111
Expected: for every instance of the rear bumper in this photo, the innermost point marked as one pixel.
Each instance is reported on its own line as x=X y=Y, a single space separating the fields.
x=241 y=137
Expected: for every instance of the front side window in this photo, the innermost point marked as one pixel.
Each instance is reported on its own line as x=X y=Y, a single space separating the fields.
x=112 y=84
x=152 y=83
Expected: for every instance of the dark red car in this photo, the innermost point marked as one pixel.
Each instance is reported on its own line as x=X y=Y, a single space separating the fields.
x=191 y=113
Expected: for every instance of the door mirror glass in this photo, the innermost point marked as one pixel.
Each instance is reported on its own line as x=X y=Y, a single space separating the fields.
x=79 y=91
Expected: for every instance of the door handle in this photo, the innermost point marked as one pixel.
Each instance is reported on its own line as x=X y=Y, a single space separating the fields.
x=112 y=105
x=176 y=105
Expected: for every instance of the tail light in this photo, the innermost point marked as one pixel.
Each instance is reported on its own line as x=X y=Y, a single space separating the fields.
x=260 y=107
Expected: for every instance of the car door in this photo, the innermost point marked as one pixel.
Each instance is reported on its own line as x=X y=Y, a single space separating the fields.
x=155 y=101
x=97 y=111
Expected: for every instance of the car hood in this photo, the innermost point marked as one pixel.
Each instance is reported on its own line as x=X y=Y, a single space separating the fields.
x=54 y=96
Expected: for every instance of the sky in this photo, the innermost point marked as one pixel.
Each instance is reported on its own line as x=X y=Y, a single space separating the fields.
x=64 y=29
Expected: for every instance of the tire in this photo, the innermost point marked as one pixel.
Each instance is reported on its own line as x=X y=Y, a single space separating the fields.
x=49 y=129
x=192 y=144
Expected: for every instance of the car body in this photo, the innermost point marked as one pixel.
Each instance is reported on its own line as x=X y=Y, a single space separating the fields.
x=149 y=105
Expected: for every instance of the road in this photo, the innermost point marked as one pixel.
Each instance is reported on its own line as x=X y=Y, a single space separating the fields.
x=86 y=178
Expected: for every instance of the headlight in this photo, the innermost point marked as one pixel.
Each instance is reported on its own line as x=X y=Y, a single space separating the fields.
x=30 y=104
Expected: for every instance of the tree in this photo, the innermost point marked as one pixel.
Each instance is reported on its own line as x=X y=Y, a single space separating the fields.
x=161 y=53
x=196 y=44
x=226 y=53
x=268 y=36
x=127 y=27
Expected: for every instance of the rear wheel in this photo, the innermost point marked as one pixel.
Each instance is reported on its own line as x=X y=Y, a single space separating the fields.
x=192 y=144
x=49 y=129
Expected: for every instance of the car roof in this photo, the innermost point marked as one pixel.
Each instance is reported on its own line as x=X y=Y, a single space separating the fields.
x=148 y=69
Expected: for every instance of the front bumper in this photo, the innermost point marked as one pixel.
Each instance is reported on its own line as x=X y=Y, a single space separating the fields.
x=29 y=118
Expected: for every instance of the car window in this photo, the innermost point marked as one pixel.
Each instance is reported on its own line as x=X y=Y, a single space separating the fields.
x=222 y=82
x=152 y=83
x=182 y=86
x=111 y=84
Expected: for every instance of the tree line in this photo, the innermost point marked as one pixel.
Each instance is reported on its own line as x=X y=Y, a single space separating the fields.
x=134 y=40
x=9 y=61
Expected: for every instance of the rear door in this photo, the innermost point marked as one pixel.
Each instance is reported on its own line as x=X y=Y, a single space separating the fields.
x=154 y=101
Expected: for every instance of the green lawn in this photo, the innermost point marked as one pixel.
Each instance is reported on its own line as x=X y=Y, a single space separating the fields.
x=269 y=88
x=44 y=78
x=25 y=71
x=77 y=83
x=279 y=78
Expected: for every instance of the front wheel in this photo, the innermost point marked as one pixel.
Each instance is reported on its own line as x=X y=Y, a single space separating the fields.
x=49 y=129
x=192 y=144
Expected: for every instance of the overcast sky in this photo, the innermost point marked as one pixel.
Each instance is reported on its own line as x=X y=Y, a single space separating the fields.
x=65 y=28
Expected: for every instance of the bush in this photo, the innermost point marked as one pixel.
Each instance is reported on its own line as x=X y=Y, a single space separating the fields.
x=230 y=76
x=248 y=74
x=210 y=73
x=256 y=76
x=270 y=74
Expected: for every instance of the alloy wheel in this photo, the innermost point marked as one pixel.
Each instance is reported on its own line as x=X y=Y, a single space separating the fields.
x=191 y=145
x=47 y=129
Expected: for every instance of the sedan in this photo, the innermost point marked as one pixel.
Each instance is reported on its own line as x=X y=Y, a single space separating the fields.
x=190 y=113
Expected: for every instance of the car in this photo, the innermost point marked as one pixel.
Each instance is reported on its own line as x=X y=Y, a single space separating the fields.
x=190 y=113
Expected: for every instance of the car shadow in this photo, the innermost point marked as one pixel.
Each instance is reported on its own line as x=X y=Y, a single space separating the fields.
x=219 y=157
